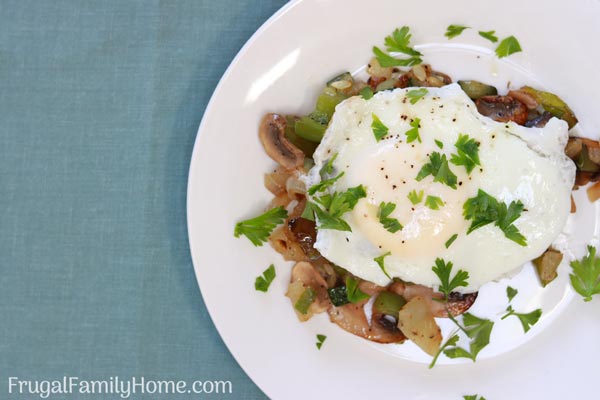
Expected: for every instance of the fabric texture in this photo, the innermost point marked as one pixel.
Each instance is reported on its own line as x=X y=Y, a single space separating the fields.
x=100 y=103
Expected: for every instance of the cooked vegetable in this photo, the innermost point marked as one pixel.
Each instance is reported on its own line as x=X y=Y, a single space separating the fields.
x=584 y=161
x=272 y=136
x=424 y=75
x=388 y=303
x=309 y=129
x=502 y=109
x=338 y=295
x=327 y=101
x=305 y=300
x=553 y=104
x=476 y=89
x=344 y=83
x=546 y=265
x=416 y=322
x=375 y=70
x=539 y=121
x=593 y=192
x=388 y=84
x=308 y=147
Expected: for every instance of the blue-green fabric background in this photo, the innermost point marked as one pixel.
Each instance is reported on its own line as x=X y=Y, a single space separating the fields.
x=100 y=102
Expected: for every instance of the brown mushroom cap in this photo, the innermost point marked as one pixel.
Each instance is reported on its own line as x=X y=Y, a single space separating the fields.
x=272 y=136
x=502 y=109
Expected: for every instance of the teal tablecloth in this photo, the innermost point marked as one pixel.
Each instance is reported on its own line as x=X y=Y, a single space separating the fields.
x=100 y=102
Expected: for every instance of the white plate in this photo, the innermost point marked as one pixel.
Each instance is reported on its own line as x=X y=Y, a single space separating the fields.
x=282 y=68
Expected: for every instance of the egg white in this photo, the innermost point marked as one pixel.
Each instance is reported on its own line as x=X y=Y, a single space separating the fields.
x=517 y=163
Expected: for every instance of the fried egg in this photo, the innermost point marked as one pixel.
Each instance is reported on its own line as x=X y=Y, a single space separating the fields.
x=516 y=164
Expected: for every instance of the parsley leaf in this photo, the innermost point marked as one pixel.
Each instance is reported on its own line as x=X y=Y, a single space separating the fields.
x=527 y=320
x=308 y=212
x=468 y=153
x=451 y=240
x=443 y=271
x=416 y=95
x=366 y=92
x=354 y=294
x=439 y=143
x=333 y=206
x=305 y=300
x=511 y=292
x=324 y=184
x=391 y=224
x=415 y=197
x=489 y=35
x=508 y=46
x=398 y=41
x=479 y=331
x=439 y=168
x=433 y=202
x=473 y=397
x=454 y=30
x=327 y=169
x=484 y=209
x=379 y=261
x=263 y=282
x=320 y=340
x=379 y=129
x=413 y=133
x=586 y=275
x=259 y=228
x=452 y=341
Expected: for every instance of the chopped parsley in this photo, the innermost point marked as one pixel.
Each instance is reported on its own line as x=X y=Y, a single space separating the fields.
x=451 y=240
x=258 y=229
x=443 y=271
x=305 y=300
x=439 y=143
x=413 y=133
x=263 y=282
x=380 y=262
x=416 y=95
x=527 y=320
x=354 y=294
x=484 y=209
x=327 y=169
x=452 y=341
x=390 y=224
x=434 y=202
x=439 y=168
x=329 y=208
x=379 y=129
x=398 y=42
x=489 y=35
x=415 y=197
x=585 y=278
x=338 y=295
x=473 y=397
x=324 y=184
x=479 y=331
x=508 y=46
x=366 y=92
x=320 y=340
x=467 y=153
x=454 y=30
x=511 y=292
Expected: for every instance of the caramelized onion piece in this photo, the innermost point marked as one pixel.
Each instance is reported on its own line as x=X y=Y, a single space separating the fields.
x=272 y=136
x=502 y=109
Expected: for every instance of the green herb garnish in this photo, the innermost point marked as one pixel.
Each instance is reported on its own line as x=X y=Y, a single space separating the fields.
x=454 y=30
x=439 y=168
x=320 y=340
x=263 y=282
x=380 y=262
x=354 y=294
x=416 y=95
x=415 y=197
x=511 y=292
x=451 y=240
x=306 y=299
x=413 y=133
x=390 y=224
x=399 y=42
x=443 y=271
x=324 y=184
x=468 y=153
x=434 y=202
x=527 y=320
x=479 y=331
x=508 y=46
x=331 y=207
x=489 y=35
x=452 y=341
x=327 y=168
x=473 y=397
x=338 y=295
x=484 y=209
x=586 y=275
x=366 y=92
x=379 y=129
x=259 y=228
x=439 y=143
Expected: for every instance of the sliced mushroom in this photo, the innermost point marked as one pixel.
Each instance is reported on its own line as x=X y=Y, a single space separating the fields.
x=272 y=136
x=539 y=121
x=502 y=109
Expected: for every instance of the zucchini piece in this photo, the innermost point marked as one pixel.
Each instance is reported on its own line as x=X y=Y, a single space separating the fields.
x=388 y=303
x=476 y=89
x=327 y=100
x=342 y=81
x=307 y=147
x=309 y=129
x=546 y=265
x=553 y=104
